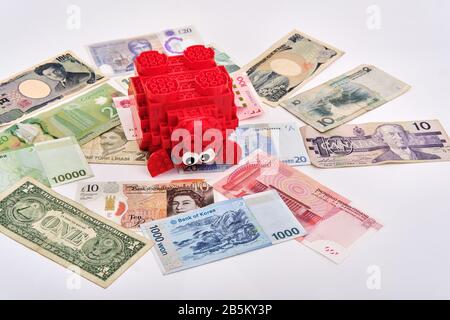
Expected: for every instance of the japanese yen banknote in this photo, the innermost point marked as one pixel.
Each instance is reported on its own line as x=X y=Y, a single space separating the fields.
x=45 y=83
x=289 y=64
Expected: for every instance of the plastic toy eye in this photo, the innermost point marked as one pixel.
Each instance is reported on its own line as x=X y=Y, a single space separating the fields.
x=190 y=158
x=207 y=156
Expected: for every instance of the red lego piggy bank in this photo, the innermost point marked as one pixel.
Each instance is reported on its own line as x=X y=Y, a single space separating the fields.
x=184 y=110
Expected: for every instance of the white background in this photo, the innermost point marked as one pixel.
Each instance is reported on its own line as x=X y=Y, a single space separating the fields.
x=412 y=200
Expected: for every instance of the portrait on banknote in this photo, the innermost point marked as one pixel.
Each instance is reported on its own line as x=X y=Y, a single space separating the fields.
x=397 y=140
x=65 y=80
x=113 y=141
x=376 y=143
x=183 y=200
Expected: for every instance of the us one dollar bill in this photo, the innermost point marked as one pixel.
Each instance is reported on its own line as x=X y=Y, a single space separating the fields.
x=84 y=118
x=132 y=203
x=344 y=98
x=376 y=143
x=112 y=147
x=289 y=64
x=43 y=84
x=53 y=163
x=222 y=230
x=68 y=233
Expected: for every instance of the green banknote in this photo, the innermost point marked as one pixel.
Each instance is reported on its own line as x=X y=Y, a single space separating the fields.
x=53 y=163
x=68 y=233
x=84 y=117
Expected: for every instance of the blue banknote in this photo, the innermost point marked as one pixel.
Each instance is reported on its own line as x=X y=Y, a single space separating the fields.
x=222 y=230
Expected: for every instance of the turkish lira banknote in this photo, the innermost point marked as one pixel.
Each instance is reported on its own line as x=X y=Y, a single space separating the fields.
x=84 y=117
x=45 y=83
x=123 y=106
x=113 y=147
x=222 y=230
x=68 y=233
x=374 y=143
x=53 y=163
x=333 y=225
x=344 y=98
x=132 y=203
x=223 y=59
x=289 y=64
x=245 y=97
x=282 y=140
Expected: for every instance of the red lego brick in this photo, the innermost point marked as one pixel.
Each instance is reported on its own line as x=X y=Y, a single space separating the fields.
x=159 y=162
x=173 y=92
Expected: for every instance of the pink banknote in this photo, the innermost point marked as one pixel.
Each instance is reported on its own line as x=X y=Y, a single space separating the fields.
x=245 y=97
x=333 y=225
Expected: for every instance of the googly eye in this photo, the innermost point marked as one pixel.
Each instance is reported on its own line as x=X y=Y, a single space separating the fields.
x=207 y=156
x=190 y=158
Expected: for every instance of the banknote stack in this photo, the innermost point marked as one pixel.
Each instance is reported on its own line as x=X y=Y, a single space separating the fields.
x=61 y=116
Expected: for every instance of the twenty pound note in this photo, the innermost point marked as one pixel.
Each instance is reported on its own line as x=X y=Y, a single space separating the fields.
x=332 y=224
x=132 y=203
x=377 y=143
x=67 y=233
x=222 y=230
